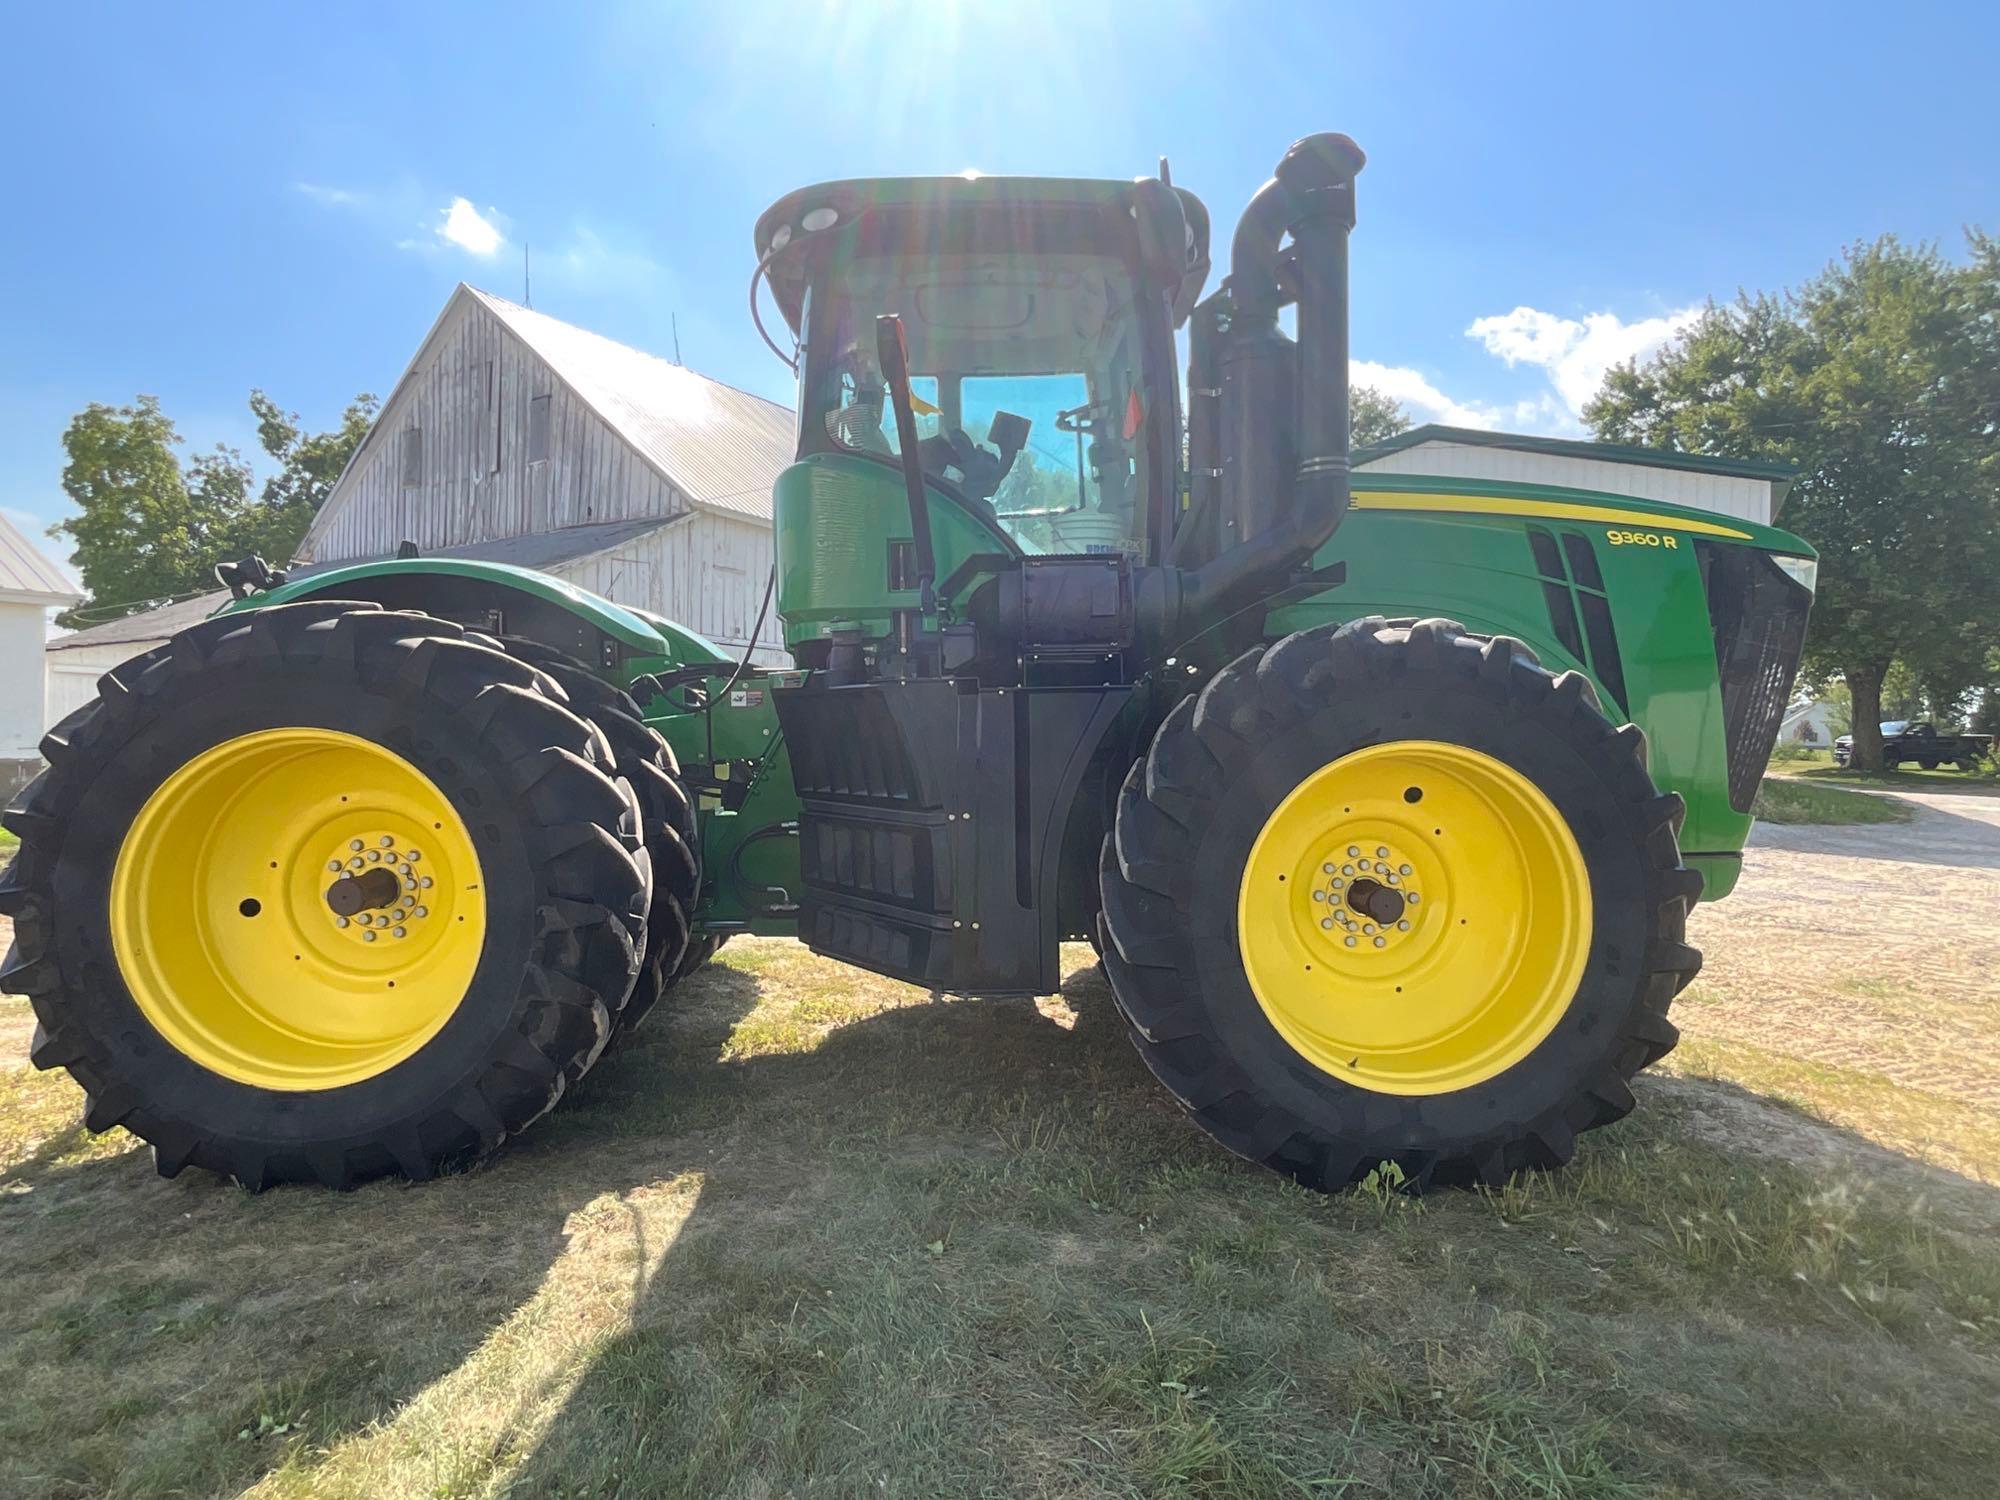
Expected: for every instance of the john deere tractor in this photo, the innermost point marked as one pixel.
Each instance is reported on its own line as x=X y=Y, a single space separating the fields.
x=1384 y=802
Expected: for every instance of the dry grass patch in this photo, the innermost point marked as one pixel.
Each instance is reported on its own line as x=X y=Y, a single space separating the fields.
x=819 y=1234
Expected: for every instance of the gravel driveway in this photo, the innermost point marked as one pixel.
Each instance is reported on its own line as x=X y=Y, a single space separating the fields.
x=1873 y=946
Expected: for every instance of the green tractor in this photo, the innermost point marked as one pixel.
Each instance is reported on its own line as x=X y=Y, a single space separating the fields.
x=1384 y=802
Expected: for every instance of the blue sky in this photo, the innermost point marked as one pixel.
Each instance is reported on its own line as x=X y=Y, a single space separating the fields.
x=198 y=200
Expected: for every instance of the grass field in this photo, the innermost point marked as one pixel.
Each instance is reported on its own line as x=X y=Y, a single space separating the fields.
x=823 y=1234
x=1787 y=799
x=1914 y=779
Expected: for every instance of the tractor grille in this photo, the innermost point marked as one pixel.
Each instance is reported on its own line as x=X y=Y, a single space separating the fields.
x=1758 y=616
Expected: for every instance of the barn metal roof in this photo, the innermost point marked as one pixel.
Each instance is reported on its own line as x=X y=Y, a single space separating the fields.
x=719 y=446
x=26 y=570
x=540 y=549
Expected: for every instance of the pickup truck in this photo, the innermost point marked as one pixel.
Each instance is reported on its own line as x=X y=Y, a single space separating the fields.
x=1921 y=741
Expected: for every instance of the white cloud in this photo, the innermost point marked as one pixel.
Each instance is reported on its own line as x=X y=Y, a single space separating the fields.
x=332 y=197
x=1422 y=400
x=470 y=230
x=1575 y=354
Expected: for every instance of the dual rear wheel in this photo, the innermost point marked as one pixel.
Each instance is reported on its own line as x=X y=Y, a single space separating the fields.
x=323 y=891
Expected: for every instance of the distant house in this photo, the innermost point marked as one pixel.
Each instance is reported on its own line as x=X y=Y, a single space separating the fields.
x=1809 y=721
x=31 y=584
x=1751 y=490
x=520 y=438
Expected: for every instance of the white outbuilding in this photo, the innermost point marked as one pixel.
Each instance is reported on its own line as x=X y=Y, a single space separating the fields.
x=31 y=584
x=1747 y=489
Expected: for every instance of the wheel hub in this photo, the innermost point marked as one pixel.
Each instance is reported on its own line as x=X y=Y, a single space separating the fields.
x=1364 y=894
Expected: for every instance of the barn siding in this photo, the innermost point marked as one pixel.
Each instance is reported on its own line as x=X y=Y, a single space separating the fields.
x=711 y=567
x=590 y=474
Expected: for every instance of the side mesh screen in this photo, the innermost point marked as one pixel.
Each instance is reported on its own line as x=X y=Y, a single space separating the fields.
x=1758 y=616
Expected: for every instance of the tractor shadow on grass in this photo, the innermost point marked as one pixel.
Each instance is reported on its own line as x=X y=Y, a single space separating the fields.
x=757 y=1240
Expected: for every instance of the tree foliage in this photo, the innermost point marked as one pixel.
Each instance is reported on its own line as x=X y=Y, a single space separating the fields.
x=1880 y=379
x=150 y=528
x=1373 y=417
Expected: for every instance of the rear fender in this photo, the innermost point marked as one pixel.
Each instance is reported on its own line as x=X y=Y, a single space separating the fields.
x=506 y=600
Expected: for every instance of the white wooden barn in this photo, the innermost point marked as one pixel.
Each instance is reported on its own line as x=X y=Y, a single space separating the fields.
x=512 y=424
x=1750 y=490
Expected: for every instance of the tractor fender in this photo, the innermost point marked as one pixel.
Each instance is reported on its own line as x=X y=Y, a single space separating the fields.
x=507 y=600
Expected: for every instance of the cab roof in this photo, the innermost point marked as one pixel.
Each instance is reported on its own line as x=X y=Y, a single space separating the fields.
x=852 y=199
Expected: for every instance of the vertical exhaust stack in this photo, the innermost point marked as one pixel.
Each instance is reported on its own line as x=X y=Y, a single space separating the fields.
x=1283 y=439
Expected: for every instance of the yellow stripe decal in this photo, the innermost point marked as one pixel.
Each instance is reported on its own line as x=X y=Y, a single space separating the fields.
x=1552 y=510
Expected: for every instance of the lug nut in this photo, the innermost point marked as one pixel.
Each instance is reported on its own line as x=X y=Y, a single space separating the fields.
x=354 y=843
x=387 y=842
x=333 y=864
x=425 y=911
x=1403 y=926
x=1414 y=898
x=1319 y=895
x=1347 y=869
x=413 y=856
x=425 y=882
x=1367 y=926
x=1383 y=852
x=1381 y=942
x=1326 y=869
x=354 y=863
x=1326 y=922
x=374 y=857
x=1350 y=942
x=340 y=921
x=402 y=932
x=1403 y=869
x=1353 y=851
x=368 y=936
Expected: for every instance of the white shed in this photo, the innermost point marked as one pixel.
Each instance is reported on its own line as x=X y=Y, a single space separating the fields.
x=510 y=424
x=31 y=584
x=1750 y=490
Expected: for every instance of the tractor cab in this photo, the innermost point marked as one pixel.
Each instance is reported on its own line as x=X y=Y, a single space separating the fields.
x=1038 y=317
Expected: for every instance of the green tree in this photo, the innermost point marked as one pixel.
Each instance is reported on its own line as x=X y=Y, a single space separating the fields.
x=308 y=465
x=149 y=528
x=1373 y=417
x=1880 y=379
x=139 y=534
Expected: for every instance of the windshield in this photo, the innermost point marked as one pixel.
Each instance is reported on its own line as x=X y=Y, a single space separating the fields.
x=1894 y=726
x=1028 y=382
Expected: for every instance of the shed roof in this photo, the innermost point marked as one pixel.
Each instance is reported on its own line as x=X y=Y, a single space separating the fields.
x=28 y=574
x=719 y=446
x=1614 y=453
x=539 y=549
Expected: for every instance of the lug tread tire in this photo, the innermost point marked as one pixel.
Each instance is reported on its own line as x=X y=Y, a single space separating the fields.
x=1153 y=884
x=667 y=815
x=554 y=772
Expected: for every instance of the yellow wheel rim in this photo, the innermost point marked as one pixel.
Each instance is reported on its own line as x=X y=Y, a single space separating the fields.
x=1414 y=917
x=297 y=909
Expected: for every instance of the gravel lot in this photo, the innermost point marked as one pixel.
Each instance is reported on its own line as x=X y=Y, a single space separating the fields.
x=1874 y=947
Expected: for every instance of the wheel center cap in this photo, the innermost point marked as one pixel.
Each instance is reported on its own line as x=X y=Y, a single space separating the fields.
x=1374 y=900
x=365 y=892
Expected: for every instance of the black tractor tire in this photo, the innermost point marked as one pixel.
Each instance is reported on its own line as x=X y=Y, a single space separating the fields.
x=555 y=831
x=667 y=816
x=1187 y=817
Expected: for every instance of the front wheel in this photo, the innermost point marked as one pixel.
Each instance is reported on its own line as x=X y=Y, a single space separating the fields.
x=1395 y=893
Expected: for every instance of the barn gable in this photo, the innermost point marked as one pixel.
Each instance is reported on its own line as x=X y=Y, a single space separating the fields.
x=509 y=422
